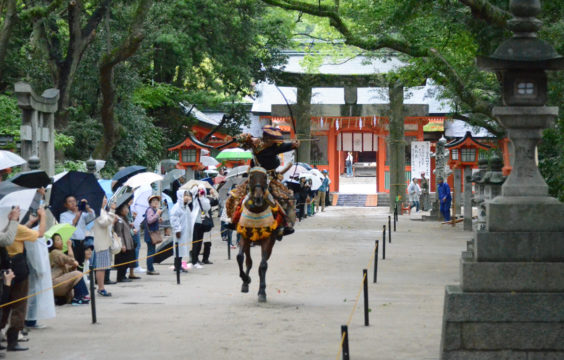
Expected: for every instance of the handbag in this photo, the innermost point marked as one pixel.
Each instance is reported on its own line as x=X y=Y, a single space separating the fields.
x=156 y=237
x=207 y=221
x=115 y=247
x=18 y=264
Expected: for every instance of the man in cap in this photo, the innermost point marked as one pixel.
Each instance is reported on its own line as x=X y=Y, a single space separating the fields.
x=323 y=189
x=265 y=154
x=444 y=198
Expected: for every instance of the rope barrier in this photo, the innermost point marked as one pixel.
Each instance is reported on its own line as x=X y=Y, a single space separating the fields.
x=356 y=301
x=94 y=269
x=341 y=345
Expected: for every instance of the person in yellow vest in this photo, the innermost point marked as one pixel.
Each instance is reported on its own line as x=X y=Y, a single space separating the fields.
x=17 y=261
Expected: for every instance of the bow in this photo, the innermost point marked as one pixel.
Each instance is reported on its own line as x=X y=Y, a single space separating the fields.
x=293 y=124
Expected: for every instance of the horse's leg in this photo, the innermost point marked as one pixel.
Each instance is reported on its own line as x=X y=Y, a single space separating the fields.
x=240 y=257
x=266 y=251
x=249 y=260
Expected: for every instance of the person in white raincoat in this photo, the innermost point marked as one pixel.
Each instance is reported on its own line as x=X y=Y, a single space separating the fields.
x=182 y=226
x=42 y=305
x=199 y=197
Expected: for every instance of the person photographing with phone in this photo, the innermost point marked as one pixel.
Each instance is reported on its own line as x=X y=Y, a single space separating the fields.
x=78 y=214
x=16 y=312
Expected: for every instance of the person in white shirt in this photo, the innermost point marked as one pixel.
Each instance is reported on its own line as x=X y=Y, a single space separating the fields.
x=414 y=191
x=79 y=217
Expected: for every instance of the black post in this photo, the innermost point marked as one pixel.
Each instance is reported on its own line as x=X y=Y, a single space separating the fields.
x=345 y=331
x=376 y=262
x=177 y=263
x=384 y=243
x=365 y=281
x=395 y=217
x=389 y=229
x=92 y=295
x=228 y=248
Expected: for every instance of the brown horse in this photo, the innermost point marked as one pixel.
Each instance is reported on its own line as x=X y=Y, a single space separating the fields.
x=259 y=223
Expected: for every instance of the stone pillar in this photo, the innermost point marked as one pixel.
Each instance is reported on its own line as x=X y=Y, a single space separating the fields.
x=303 y=122
x=457 y=190
x=467 y=198
x=91 y=166
x=396 y=144
x=38 y=125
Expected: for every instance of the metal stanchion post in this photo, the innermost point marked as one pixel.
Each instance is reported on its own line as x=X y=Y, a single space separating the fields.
x=365 y=286
x=177 y=263
x=228 y=248
x=92 y=295
x=345 y=331
x=384 y=243
x=376 y=262
x=389 y=229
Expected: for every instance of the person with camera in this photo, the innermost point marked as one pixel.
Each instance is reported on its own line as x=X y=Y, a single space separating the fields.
x=152 y=219
x=199 y=211
x=78 y=215
x=9 y=233
x=102 y=242
x=17 y=262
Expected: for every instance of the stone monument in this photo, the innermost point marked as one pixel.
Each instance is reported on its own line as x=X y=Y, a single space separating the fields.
x=37 y=132
x=510 y=301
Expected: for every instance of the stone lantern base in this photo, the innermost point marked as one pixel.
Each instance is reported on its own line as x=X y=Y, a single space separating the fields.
x=510 y=301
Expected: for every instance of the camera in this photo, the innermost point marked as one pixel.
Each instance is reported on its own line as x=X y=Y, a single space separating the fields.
x=82 y=206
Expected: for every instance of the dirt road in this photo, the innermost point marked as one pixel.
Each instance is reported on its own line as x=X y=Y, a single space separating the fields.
x=313 y=279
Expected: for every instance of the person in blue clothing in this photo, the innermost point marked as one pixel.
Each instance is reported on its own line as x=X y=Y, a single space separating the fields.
x=323 y=189
x=444 y=198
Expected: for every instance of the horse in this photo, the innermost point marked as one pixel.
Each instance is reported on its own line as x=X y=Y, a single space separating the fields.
x=260 y=220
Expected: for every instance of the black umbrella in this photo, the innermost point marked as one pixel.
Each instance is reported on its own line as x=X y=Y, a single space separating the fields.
x=80 y=185
x=121 y=176
x=7 y=187
x=32 y=179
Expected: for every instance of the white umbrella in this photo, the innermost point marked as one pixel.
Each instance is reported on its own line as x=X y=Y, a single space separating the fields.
x=237 y=171
x=9 y=159
x=191 y=183
x=22 y=198
x=294 y=170
x=208 y=161
x=145 y=178
x=141 y=203
x=315 y=180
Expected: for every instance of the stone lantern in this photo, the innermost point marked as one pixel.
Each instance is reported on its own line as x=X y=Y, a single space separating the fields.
x=510 y=301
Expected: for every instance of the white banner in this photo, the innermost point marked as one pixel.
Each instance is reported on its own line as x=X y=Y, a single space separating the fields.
x=420 y=159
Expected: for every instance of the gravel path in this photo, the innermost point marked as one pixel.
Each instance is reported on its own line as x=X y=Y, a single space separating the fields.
x=313 y=279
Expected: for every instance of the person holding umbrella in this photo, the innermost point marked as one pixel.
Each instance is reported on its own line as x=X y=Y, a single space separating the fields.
x=152 y=216
x=17 y=260
x=9 y=233
x=102 y=243
x=182 y=226
x=77 y=215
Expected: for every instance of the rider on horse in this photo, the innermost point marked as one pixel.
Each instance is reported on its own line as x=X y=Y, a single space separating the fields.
x=265 y=154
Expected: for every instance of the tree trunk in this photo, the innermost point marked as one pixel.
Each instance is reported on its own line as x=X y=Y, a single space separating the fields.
x=303 y=122
x=396 y=144
x=9 y=19
x=124 y=51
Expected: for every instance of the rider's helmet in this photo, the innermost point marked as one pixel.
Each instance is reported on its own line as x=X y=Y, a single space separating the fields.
x=271 y=132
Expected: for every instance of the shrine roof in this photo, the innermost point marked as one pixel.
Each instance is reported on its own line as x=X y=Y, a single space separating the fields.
x=468 y=139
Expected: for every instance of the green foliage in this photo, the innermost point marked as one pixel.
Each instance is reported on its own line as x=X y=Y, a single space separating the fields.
x=63 y=141
x=69 y=165
x=10 y=119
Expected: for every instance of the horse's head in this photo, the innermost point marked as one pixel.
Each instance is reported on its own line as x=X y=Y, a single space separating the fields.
x=258 y=185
